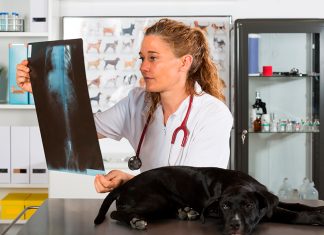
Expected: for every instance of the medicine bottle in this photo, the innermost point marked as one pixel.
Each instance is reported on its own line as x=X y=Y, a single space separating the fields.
x=257 y=124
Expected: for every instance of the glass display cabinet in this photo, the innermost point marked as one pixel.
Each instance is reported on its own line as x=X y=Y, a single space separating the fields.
x=278 y=103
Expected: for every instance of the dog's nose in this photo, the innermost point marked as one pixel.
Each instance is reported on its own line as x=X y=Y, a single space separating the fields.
x=235 y=224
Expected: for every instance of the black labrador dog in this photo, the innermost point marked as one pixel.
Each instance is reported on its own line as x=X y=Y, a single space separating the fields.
x=237 y=199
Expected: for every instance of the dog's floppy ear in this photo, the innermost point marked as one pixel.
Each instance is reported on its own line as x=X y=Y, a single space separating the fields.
x=267 y=202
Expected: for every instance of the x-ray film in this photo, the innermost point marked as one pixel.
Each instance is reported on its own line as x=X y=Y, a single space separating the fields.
x=63 y=108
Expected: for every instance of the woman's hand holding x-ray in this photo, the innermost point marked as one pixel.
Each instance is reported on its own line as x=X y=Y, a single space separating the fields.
x=22 y=76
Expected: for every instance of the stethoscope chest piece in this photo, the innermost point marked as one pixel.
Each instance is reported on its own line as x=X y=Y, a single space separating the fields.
x=134 y=163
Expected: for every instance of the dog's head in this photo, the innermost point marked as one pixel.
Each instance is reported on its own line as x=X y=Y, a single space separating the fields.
x=242 y=209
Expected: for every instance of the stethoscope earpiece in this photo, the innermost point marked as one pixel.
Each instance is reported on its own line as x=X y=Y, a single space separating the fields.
x=134 y=163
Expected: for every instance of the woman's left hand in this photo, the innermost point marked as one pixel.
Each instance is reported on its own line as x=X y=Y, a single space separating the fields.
x=115 y=178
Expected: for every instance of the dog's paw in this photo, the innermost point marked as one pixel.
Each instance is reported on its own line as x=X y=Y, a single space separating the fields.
x=193 y=215
x=182 y=214
x=311 y=218
x=138 y=223
x=187 y=214
x=321 y=210
x=319 y=219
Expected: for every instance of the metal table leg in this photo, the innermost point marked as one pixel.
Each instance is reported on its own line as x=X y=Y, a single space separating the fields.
x=17 y=218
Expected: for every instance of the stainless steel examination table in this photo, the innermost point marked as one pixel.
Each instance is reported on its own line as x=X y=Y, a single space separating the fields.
x=75 y=217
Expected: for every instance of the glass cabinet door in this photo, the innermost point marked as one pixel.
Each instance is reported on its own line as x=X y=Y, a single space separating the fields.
x=278 y=114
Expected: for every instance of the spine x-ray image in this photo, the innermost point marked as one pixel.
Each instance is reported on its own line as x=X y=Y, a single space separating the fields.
x=63 y=106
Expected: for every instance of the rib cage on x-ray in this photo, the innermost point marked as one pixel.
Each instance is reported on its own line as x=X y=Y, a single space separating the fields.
x=60 y=73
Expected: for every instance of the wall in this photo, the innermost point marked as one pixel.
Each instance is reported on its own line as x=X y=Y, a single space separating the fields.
x=236 y=8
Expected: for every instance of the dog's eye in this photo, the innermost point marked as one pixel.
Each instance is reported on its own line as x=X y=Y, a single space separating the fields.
x=249 y=205
x=226 y=206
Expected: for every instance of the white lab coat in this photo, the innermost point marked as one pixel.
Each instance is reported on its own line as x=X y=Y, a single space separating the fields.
x=209 y=124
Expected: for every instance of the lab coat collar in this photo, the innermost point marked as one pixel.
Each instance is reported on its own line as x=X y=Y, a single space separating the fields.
x=184 y=105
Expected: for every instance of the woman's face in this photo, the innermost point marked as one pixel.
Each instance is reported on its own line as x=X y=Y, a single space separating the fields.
x=160 y=68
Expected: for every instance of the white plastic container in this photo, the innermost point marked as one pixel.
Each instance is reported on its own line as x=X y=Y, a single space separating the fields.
x=303 y=189
x=284 y=192
x=312 y=193
x=4 y=21
x=11 y=23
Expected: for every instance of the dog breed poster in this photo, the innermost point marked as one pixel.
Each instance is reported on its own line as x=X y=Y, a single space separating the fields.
x=111 y=46
x=63 y=108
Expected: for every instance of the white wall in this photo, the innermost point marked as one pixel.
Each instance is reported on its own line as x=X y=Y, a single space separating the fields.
x=236 y=8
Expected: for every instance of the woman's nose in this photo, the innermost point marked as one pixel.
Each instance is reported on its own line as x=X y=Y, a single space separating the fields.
x=144 y=66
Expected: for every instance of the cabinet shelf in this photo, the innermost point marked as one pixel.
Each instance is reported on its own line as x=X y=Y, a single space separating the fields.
x=286 y=77
x=286 y=132
x=17 y=106
x=23 y=34
x=30 y=186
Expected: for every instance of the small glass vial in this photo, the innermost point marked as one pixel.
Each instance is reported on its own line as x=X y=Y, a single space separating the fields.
x=253 y=116
x=273 y=123
x=1 y=21
x=293 y=122
x=294 y=194
x=282 y=125
x=305 y=125
x=14 y=21
x=312 y=193
x=10 y=22
x=274 y=126
x=265 y=123
x=310 y=125
x=316 y=125
x=265 y=127
x=284 y=190
x=5 y=23
x=297 y=126
x=289 y=126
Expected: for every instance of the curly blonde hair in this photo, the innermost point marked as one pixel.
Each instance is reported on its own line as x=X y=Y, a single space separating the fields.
x=185 y=40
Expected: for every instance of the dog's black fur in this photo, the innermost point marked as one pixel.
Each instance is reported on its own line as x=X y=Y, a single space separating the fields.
x=235 y=198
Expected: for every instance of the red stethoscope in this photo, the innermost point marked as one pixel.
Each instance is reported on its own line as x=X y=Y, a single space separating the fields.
x=135 y=163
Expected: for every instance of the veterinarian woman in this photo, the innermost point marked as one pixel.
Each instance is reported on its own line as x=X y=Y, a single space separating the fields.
x=182 y=89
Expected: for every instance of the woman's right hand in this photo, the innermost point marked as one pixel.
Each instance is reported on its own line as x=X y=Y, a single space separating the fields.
x=115 y=178
x=22 y=76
